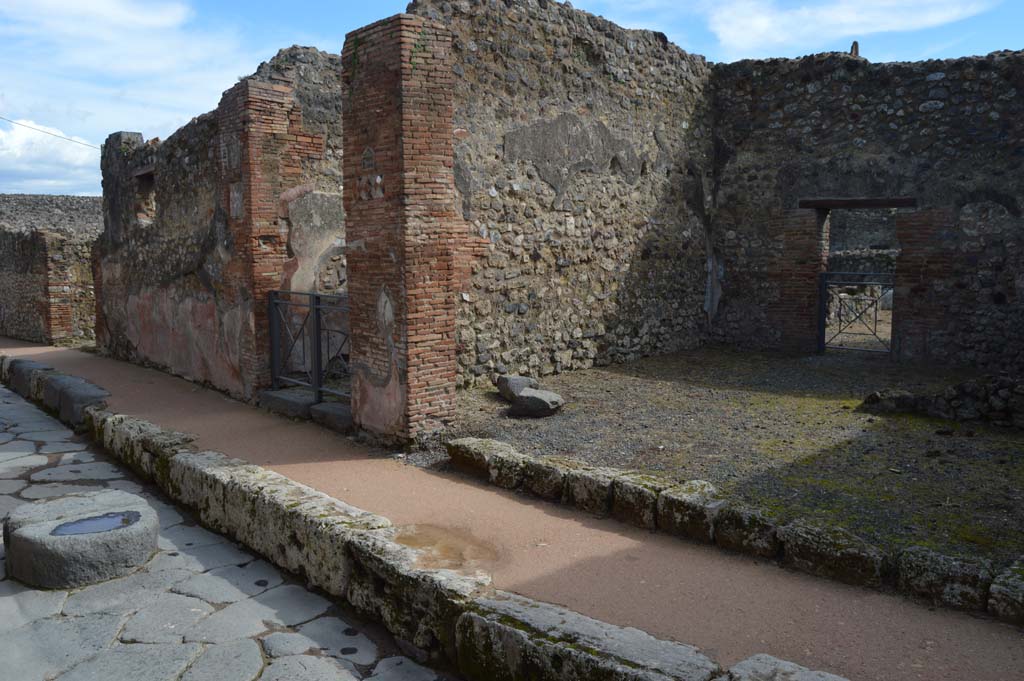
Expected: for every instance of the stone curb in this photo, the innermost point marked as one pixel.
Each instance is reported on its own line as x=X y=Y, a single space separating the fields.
x=695 y=511
x=437 y=615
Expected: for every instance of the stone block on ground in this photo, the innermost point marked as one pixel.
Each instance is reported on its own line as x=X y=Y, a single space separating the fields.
x=746 y=530
x=960 y=583
x=590 y=489
x=511 y=386
x=497 y=462
x=768 y=668
x=334 y=415
x=1006 y=597
x=635 y=499
x=545 y=478
x=20 y=375
x=79 y=539
x=533 y=403
x=833 y=553
x=511 y=637
x=294 y=403
x=69 y=396
x=689 y=510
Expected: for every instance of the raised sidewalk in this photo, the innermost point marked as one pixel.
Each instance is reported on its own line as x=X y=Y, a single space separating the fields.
x=731 y=606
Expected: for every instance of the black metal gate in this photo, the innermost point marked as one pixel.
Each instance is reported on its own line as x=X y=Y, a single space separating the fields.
x=309 y=342
x=855 y=311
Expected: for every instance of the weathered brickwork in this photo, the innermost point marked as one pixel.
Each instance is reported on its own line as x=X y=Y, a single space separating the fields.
x=403 y=229
x=200 y=227
x=46 y=286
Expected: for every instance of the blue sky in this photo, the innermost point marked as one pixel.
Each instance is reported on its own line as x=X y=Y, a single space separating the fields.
x=85 y=68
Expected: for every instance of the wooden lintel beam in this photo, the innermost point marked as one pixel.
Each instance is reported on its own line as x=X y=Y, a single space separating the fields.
x=829 y=204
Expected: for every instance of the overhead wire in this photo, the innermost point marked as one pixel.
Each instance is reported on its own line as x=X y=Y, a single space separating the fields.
x=47 y=132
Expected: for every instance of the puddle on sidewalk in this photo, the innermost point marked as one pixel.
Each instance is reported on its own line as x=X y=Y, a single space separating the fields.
x=447 y=549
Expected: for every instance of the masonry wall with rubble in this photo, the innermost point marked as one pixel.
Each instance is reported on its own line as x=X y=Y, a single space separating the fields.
x=46 y=286
x=200 y=227
x=581 y=150
x=949 y=133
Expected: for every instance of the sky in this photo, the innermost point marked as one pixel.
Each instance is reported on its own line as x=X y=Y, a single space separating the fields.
x=85 y=68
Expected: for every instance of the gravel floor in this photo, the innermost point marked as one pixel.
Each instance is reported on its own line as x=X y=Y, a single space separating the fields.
x=202 y=609
x=785 y=433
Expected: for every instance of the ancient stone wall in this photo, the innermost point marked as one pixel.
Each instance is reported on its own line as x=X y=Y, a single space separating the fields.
x=201 y=227
x=581 y=151
x=46 y=286
x=949 y=133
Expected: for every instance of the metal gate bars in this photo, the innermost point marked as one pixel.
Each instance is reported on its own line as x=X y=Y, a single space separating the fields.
x=309 y=342
x=855 y=311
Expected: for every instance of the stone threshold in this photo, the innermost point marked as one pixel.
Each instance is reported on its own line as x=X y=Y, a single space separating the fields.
x=451 y=619
x=695 y=511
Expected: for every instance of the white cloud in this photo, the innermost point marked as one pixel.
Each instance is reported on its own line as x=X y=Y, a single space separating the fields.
x=98 y=66
x=757 y=27
x=34 y=162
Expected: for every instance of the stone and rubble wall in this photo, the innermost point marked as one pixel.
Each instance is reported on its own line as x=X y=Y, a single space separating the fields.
x=201 y=227
x=948 y=133
x=581 y=151
x=46 y=286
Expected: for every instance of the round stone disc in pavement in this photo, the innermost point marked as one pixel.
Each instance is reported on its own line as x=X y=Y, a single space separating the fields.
x=79 y=539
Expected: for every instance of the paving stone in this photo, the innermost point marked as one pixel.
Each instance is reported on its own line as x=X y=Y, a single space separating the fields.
x=126 y=594
x=401 y=669
x=56 y=489
x=286 y=605
x=60 y=435
x=45 y=648
x=234 y=661
x=200 y=558
x=328 y=635
x=75 y=450
x=86 y=471
x=9 y=503
x=157 y=662
x=126 y=486
x=307 y=668
x=231 y=584
x=768 y=668
x=20 y=605
x=165 y=620
x=35 y=425
x=16 y=449
x=5 y=437
x=183 y=537
x=19 y=467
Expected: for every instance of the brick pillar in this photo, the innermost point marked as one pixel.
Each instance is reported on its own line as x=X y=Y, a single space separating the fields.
x=804 y=236
x=403 y=230
x=927 y=252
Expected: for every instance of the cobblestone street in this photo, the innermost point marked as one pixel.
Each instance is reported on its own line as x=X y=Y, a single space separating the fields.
x=201 y=610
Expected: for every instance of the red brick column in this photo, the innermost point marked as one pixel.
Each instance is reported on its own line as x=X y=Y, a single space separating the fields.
x=804 y=256
x=403 y=231
x=927 y=255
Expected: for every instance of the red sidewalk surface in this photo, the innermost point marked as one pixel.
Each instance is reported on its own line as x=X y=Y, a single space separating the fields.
x=731 y=606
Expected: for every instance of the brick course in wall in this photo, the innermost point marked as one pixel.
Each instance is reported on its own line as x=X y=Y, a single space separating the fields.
x=409 y=250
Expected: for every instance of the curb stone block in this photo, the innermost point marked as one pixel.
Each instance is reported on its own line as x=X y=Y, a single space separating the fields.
x=833 y=553
x=4 y=360
x=590 y=489
x=510 y=637
x=689 y=510
x=959 y=583
x=768 y=668
x=635 y=499
x=20 y=375
x=746 y=530
x=491 y=460
x=545 y=478
x=419 y=607
x=1006 y=598
x=200 y=478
